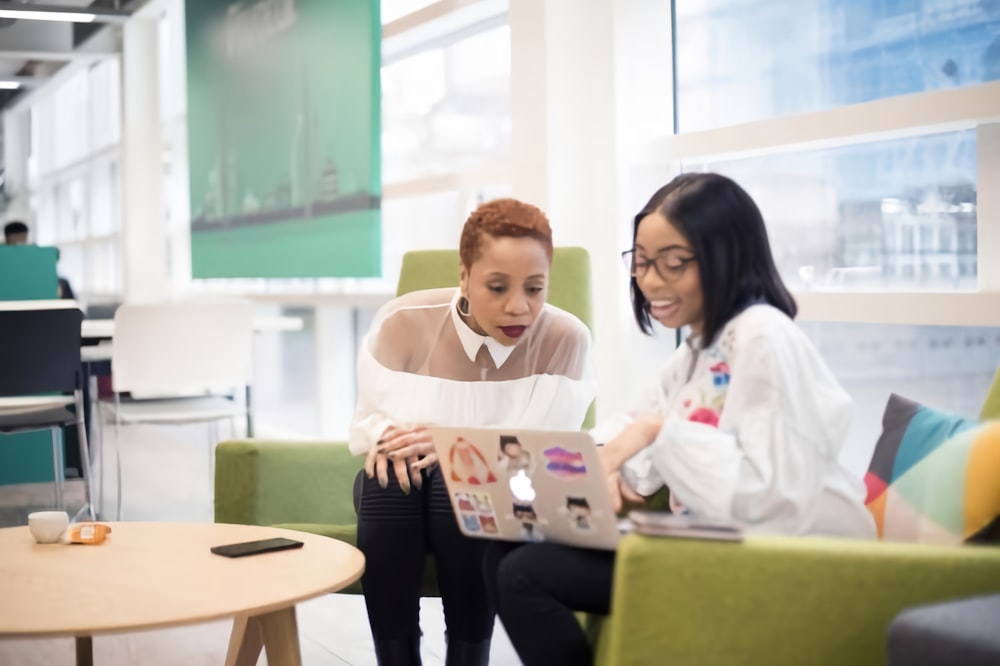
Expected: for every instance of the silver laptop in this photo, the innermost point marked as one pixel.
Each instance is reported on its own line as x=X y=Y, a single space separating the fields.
x=527 y=485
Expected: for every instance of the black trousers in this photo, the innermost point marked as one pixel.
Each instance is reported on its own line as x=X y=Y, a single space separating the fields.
x=395 y=532
x=537 y=587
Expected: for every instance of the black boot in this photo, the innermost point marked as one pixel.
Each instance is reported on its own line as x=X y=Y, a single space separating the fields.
x=403 y=651
x=464 y=653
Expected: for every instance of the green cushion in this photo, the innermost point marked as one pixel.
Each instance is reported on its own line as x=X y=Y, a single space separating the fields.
x=934 y=477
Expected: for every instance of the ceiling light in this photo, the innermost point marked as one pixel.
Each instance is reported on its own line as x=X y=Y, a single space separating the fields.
x=10 y=85
x=29 y=15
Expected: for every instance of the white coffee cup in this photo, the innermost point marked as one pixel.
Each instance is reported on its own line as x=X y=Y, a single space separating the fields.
x=48 y=526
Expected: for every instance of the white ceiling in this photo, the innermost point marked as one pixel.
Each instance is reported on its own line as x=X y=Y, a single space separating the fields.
x=46 y=44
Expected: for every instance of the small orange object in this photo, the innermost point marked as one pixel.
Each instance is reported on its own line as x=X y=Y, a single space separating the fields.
x=87 y=533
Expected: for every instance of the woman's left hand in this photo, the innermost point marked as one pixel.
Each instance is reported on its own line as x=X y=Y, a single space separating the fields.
x=418 y=453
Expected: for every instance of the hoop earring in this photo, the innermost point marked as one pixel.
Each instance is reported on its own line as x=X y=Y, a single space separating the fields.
x=463 y=307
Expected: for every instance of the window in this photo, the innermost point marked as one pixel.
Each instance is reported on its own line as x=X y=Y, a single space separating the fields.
x=394 y=9
x=447 y=108
x=847 y=218
x=741 y=61
x=944 y=367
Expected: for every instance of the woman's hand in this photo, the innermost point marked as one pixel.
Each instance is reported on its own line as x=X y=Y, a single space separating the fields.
x=634 y=438
x=619 y=490
x=401 y=446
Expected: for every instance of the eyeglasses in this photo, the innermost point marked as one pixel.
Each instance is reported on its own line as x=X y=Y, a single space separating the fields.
x=669 y=265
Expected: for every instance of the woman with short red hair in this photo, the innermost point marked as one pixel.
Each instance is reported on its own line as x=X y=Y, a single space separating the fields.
x=491 y=352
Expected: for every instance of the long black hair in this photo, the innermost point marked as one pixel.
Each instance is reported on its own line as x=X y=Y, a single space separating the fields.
x=727 y=234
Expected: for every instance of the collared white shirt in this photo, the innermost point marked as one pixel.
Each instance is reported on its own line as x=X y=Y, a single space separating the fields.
x=472 y=341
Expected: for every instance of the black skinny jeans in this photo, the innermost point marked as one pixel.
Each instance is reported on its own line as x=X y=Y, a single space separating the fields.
x=395 y=532
x=537 y=587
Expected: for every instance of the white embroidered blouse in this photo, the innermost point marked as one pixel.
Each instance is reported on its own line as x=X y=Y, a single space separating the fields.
x=753 y=427
x=420 y=363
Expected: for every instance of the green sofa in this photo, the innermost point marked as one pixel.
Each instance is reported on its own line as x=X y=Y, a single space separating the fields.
x=765 y=601
x=774 y=601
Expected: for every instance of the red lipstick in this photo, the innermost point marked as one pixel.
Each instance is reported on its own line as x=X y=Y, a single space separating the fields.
x=513 y=331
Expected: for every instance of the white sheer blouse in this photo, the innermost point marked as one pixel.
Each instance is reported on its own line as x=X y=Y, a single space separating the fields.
x=421 y=364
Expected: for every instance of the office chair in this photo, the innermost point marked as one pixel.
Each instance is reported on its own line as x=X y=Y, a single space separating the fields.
x=179 y=364
x=41 y=379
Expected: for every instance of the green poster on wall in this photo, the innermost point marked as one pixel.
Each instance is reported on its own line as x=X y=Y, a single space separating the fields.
x=283 y=136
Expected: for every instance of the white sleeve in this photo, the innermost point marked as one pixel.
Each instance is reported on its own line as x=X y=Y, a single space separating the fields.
x=784 y=420
x=638 y=472
x=567 y=385
x=368 y=422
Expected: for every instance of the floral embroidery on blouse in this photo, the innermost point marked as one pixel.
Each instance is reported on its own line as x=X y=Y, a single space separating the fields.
x=720 y=374
x=705 y=415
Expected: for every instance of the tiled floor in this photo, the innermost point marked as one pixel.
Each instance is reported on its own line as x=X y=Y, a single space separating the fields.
x=167 y=478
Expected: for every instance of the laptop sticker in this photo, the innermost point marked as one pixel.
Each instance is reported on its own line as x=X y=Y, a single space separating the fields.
x=525 y=513
x=512 y=458
x=565 y=464
x=529 y=521
x=470 y=522
x=530 y=532
x=468 y=464
x=482 y=503
x=464 y=502
x=579 y=512
x=489 y=524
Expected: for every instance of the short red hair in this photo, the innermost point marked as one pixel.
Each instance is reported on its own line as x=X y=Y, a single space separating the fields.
x=503 y=218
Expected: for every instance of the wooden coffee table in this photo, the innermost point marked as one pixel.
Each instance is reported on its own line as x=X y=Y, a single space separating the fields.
x=154 y=575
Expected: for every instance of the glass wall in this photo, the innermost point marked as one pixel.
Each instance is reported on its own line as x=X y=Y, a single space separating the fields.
x=895 y=215
x=944 y=367
x=447 y=108
x=860 y=212
x=74 y=181
x=781 y=57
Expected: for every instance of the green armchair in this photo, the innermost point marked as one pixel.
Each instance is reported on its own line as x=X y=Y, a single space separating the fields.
x=309 y=486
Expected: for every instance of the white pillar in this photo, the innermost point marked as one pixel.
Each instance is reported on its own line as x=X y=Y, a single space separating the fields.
x=335 y=369
x=16 y=148
x=582 y=86
x=988 y=207
x=143 y=234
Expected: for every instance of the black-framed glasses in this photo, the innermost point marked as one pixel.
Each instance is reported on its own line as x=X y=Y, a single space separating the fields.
x=669 y=265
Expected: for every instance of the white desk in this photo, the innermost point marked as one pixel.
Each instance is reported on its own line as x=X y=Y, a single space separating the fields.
x=104 y=329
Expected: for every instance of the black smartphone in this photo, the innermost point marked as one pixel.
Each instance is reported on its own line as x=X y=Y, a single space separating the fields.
x=255 y=547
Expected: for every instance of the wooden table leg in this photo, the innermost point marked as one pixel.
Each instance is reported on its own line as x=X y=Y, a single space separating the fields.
x=281 y=637
x=84 y=651
x=245 y=642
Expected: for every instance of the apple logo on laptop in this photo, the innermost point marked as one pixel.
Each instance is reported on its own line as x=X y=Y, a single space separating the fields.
x=520 y=487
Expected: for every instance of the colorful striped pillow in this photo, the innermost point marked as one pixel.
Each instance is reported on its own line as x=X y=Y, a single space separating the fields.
x=934 y=477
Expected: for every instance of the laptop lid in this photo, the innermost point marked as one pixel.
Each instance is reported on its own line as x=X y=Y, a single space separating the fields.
x=527 y=485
